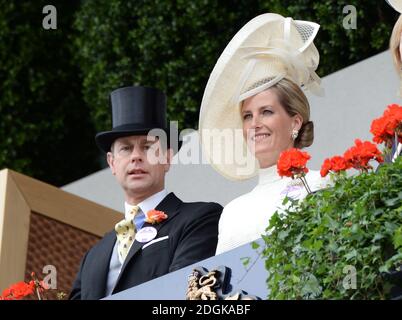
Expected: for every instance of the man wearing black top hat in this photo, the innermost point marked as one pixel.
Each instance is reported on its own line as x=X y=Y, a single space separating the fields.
x=143 y=247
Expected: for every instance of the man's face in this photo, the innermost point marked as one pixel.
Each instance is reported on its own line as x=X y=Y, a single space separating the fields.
x=140 y=165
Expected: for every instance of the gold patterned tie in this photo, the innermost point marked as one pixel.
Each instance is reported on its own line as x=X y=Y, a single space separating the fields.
x=125 y=232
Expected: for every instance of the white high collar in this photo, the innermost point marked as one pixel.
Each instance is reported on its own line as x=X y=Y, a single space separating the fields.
x=268 y=175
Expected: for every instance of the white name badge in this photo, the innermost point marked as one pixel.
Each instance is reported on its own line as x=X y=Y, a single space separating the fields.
x=146 y=234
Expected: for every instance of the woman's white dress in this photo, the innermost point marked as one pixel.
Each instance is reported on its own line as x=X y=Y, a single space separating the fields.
x=245 y=218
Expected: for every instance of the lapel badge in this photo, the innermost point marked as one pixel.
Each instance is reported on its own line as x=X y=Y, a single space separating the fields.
x=146 y=234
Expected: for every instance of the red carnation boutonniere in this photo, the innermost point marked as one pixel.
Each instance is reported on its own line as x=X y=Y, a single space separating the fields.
x=155 y=216
x=292 y=163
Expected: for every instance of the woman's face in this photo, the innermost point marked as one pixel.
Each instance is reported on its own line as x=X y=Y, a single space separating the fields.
x=267 y=127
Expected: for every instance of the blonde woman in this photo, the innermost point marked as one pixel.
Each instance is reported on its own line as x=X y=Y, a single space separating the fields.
x=255 y=89
x=395 y=45
x=395 y=41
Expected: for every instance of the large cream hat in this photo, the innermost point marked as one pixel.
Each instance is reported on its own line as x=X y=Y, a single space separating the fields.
x=396 y=4
x=267 y=49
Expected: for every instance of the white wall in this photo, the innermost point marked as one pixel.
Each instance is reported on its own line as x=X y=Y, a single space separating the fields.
x=353 y=97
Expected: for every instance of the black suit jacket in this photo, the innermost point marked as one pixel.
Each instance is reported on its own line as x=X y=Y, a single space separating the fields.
x=192 y=230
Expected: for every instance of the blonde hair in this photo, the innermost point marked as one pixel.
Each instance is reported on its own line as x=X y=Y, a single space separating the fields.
x=294 y=101
x=394 y=43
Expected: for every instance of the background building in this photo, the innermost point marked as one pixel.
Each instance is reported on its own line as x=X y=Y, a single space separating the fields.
x=354 y=96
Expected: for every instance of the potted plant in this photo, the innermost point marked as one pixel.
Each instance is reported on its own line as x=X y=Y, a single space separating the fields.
x=343 y=242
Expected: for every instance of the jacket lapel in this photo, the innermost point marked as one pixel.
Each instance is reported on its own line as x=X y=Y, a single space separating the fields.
x=100 y=266
x=170 y=205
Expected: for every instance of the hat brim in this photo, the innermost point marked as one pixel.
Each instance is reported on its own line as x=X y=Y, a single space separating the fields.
x=396 y=4
x=105 y=139
x=219 y=111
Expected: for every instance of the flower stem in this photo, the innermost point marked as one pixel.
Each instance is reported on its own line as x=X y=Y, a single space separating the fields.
x=38 y=293
x=303 y=179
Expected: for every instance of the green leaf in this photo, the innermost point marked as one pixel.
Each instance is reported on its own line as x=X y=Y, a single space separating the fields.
x=311 y=288
x=390 y=227
x=352 y=254
x=295 y=279
x=374 y=249
x=255 y=245
x=397 y=238
x=392 y=202
x=318 y=245
x=377 y=237
x=283 y=234
x=245 y=261
x=383 y=269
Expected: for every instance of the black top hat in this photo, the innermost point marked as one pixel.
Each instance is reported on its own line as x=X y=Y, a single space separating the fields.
x=135 y=111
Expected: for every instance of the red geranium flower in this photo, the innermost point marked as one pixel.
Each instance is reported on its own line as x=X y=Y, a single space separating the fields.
x=339 y=164
x=326 y=167
x=361 y=153
x=335 y=164
x=292 y=163
x=388 y=126
x=18 y=290
x=155 y=216
x=23 y=289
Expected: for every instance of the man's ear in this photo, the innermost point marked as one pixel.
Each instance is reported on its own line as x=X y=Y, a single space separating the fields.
x=110 y=162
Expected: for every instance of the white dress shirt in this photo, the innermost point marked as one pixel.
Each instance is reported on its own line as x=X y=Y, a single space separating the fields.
x=115 y=264
x=245 y=218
